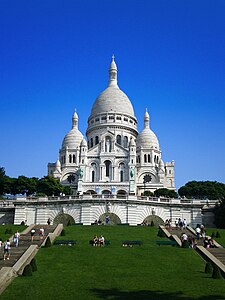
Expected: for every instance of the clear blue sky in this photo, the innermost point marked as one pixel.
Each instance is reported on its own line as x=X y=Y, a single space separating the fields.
x=54 y=57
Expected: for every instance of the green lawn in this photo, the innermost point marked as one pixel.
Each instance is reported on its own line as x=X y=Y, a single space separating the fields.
x=114 y=272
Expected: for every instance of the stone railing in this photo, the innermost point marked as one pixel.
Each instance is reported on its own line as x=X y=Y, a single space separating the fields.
x=97 y=197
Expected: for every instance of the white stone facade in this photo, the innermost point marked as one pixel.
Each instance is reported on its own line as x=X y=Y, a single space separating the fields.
x=116 y=158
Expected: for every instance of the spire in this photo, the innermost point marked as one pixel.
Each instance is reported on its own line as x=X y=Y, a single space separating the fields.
x=146 y=119
x=113 y=73
x=75 y=120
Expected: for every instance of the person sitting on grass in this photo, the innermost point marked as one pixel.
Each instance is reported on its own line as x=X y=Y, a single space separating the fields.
x=101 y=241
x=95 y=241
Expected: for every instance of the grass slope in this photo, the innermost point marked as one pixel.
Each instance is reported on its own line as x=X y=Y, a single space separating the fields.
x=114 y=272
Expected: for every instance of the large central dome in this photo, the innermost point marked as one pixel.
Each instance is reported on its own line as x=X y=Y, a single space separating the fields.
x=112 y=99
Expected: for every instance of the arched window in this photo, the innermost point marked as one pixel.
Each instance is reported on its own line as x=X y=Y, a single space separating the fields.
x=88 y=144
x=107 y=168
x=91 y=142
x=118 y=139
x=149 y=158
x=145 y=158
x=125 y=142
x=121 y=171
x=121 y=176
x=70 y=158
x=93 y=176
x=96 y=140
x=74 y=159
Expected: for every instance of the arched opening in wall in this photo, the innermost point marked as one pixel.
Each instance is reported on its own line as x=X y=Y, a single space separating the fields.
x=90 y=192
x=91 y=142
x=106 y=192
x=121 y=171
x=125 y=142
x=64 y=219
x=145 y=158
x=70 y=158
x=121 y=194
x=96 y=140
x=153 y=220
x=110 y=219
x=118 y=139
x=149 y=158
x=107 y=168
x=93 y=176
x=74 y=158
x=121 y=176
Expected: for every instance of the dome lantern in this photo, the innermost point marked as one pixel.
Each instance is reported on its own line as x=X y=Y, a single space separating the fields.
x=113 y=73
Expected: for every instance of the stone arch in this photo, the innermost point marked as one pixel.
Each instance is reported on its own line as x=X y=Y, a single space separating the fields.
x=90 y=192
x=64 y=219
x=113 y=218
x=153 y=220
x=106 y=192
x=122 y=192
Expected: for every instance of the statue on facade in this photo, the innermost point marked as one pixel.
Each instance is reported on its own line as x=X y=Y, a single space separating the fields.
x=132 y=172
x=80 y=173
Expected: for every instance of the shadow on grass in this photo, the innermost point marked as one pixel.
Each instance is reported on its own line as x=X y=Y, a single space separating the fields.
x=115 y=294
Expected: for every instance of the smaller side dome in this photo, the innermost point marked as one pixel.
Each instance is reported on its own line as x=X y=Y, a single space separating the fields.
x=147 y=138
x=74 y=137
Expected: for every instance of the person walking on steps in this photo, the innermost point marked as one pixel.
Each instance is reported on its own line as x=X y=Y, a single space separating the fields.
x=6 y=250
x=41 y=233
x=32 y=232
x=16 y=238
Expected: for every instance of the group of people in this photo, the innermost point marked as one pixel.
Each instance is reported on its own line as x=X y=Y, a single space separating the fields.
x=182 y=224
x=98 y=241
x=41 y=233
x=7 y=245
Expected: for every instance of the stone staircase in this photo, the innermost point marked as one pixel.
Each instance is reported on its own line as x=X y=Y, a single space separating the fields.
x=216 y=255
x=219 y=253
x=24 y=244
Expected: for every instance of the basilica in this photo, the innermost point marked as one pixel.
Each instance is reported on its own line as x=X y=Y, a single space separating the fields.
x=115 y=158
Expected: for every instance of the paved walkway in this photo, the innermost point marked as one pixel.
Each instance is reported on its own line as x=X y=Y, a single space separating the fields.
x=24 y=244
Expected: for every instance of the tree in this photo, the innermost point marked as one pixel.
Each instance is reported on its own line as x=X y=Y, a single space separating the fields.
x=203 y=190
x=67 y=190
x=165 y=193
x=49 y=185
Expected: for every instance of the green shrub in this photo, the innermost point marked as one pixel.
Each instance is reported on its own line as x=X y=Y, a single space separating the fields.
x=161 y=233
x=218 y=234
x=27 y=271
x=33 y=265
x=213 y=234
x=6 y=231
x=208 y=268
x=69 y=223
x=48 y=242
x=63 y=232
x=216 y=273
